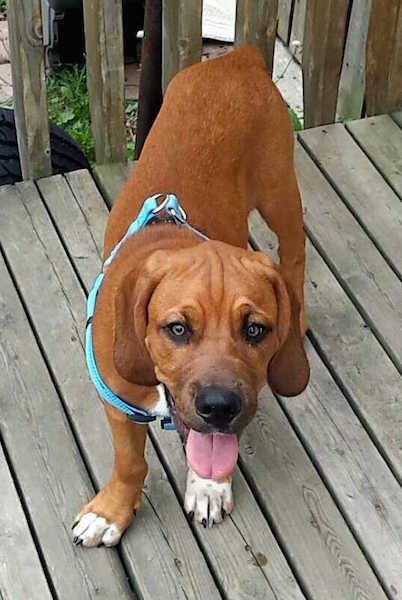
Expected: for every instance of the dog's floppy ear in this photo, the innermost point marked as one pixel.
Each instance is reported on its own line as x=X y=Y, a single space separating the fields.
x=131 y=358
x=288 y=370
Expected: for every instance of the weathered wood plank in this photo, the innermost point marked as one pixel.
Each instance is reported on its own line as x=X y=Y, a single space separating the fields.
x=324 y=35
x=297 y=30
x=384 y=58
x=234 y=549
x=61 y=336
x=329 y=561
x=397 y=117
x=110 y=178
x=29 y=87
x=105 y=75
x=181 y=36
x=360 y=186
x=41 y=447
x=21 y=574
x=256 y=24
x=351 y=349
x=284 y=22
x=352 y=81
x=363 y=272
x=381 y=139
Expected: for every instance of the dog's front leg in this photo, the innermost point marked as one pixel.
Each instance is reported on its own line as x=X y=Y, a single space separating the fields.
x=105 y=518
x=206 y=500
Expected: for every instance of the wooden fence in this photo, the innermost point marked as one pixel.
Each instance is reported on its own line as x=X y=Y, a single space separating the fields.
x=350 y=50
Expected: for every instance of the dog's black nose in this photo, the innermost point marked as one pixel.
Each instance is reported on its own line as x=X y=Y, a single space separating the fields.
x=217 y=406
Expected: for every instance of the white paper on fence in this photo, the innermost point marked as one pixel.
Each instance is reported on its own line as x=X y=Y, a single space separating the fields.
x=218 y=20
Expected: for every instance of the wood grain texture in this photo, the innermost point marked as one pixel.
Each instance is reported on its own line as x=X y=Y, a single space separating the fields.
x=110 y=178
x=384 y=58
x=360 y=186
x=351 y=349
x=381 y=139
x=105 y=76
x=40 y=444
x=21 y=574
x=181 y=36
x=352 y=82
x=362 y=271
x=256 y=24
x=324 y=35
x=329 y=561
x=63 y=299
x=234 y=549
x=29 y=87
x=284 y=19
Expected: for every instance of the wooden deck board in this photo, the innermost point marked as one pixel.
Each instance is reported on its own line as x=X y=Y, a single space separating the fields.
x=318 y=491
x=248 y=535
x=17 y=549
x=360 y=186
x=381 y=139
x=43 y=453
x=364 y=273
x=58 y=316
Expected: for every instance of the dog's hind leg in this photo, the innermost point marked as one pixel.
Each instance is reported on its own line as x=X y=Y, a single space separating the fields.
x=277 y=196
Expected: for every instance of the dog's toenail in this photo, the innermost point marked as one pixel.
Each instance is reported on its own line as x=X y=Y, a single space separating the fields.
x=75 y=523
x=191 y=515
x=223 y=513
x=204 y=523
x=77 y=541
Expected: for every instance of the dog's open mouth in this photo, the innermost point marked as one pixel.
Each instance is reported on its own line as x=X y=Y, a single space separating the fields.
x=212 y=455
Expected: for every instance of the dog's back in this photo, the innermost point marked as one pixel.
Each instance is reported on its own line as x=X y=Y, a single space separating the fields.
x=211 y=134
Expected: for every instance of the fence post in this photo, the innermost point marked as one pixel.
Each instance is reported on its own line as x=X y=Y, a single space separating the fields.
x=181 y=36
x=256 y=22
x=324 y=36
x=384 y=58
x=352 y=81
x=29 y=87
x=105 y=75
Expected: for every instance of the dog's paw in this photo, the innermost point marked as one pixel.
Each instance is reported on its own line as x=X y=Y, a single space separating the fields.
x=93 y=530
x=206 y=500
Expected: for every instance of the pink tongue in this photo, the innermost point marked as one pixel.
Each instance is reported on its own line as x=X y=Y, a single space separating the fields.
x=212 y=455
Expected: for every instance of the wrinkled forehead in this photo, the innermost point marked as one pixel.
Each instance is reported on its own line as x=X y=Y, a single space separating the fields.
x=215 y=280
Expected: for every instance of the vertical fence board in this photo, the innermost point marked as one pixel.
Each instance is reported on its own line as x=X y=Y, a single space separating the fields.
x=29 y=87
x=256 y=24
x=105 y=72
x=297 y=30
x=324 y=36
x=284 y=14
x=352 y=82
x=384 y=57
x=181 y=36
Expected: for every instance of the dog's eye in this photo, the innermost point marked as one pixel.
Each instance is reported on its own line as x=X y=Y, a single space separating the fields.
x=180 y=332
x=255 y=332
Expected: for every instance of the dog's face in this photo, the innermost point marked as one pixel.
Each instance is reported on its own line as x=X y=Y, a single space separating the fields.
x=213 y=323
x=213 y=326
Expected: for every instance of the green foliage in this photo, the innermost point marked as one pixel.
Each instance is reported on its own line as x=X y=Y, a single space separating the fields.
x=69 y=107
x=297 y=124
x=3 y=8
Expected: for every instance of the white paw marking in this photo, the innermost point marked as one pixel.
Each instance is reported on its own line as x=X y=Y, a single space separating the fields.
x=208 y=500
x=92 y=530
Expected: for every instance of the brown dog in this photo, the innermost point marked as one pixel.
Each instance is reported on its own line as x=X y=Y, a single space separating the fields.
x=211 y=320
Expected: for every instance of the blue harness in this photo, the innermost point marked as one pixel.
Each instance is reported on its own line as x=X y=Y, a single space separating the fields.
x=150 y=209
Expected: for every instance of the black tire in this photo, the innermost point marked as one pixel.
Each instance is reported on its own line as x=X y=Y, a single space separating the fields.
x=66 y=154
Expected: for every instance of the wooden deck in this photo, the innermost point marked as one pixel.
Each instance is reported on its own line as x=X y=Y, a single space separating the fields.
x=318 y=489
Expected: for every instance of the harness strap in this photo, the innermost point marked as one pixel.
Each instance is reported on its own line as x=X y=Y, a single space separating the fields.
x=149 y=210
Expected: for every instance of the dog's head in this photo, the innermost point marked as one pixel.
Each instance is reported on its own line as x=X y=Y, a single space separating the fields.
x=213 y=323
